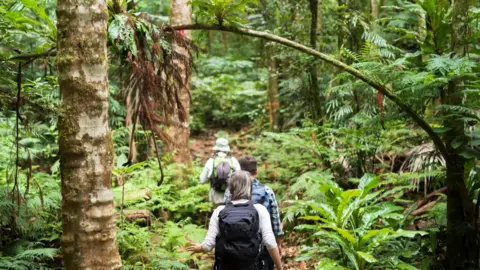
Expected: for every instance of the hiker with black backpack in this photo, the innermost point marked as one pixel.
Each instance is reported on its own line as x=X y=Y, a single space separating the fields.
x=240 y=230
x=218 y=170
x=265 y=196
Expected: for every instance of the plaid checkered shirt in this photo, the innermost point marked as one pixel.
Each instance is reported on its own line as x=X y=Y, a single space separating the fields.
x=270 y=203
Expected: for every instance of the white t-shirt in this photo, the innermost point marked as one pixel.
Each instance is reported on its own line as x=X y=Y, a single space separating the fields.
x=268 y=238
x=215 y=196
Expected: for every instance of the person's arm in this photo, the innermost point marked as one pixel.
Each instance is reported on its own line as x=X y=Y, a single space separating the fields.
x=209 y=242
x=275 y=214
x=206 y=171
x=277 y=260
x=268 y=238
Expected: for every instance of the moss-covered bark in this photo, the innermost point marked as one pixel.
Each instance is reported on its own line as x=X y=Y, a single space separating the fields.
x=86 y=147
x=181 y=14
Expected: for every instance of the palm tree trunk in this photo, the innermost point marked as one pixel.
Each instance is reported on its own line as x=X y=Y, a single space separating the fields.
x=86 y=147
x=181 y=14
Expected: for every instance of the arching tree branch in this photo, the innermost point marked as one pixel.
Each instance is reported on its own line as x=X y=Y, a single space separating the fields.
x=385 y=90
x=32 y=56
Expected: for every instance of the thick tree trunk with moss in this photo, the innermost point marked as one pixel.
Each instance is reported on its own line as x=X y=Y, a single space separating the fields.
x=181 y=14
x=86 y=148
x=462 y=239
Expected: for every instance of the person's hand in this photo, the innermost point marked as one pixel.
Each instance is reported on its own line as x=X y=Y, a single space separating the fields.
x=195 y=248
x=279 y=245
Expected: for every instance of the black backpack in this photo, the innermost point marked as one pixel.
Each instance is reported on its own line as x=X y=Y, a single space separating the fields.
x=239 y=242
x=222 y=170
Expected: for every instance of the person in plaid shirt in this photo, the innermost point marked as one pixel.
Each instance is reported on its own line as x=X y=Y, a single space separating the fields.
x=264 y=195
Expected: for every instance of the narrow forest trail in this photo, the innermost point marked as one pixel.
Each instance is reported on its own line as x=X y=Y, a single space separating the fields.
x=201 y=150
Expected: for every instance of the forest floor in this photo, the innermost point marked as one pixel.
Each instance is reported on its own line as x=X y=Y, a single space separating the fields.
x=201 y=149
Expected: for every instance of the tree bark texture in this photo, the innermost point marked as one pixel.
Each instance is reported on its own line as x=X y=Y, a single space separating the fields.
x=272 y=93
x=316 y=104
x=86 y=147
x=462 y=239
x=181 y=14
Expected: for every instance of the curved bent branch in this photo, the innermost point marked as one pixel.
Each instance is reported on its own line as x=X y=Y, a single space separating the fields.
x=385 y=90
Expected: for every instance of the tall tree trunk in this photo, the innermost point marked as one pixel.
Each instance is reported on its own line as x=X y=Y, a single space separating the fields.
x=86 y=147
x=209 y=42
x=320 y=18
x=272 y=93
x=374 y=6
x=462 y=240
x=269 y=49
x=314 y=91
x=181 y=14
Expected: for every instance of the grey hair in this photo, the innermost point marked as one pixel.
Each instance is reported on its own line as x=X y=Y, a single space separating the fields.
x=240 y=185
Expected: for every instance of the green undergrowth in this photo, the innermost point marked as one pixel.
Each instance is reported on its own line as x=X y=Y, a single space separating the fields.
x=178 y=210
x=347 y=208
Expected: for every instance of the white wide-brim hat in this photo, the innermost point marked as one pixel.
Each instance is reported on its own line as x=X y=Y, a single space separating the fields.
x=221 y=145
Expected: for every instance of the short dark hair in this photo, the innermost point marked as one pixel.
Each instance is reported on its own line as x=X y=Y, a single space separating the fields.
x=249 y=164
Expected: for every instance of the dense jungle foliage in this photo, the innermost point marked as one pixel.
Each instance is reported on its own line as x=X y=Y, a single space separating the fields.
x=360 y=184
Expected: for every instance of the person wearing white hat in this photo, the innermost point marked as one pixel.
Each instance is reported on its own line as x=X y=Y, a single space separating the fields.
x=211 y=171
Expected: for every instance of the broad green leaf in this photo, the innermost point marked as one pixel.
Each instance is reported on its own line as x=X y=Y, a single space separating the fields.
x=347 y=248
x=122 y=159
x=404 y=266
x=368 y=182
x=367 y=257
x=475 y=142
x=457 y=142
x=328 y=264
x=469 y=153
x=373 y=233
x=346 y=199
x=441 y=130
x=409 y=234
x=326 y=210
x=381 y=210
x=344 y=233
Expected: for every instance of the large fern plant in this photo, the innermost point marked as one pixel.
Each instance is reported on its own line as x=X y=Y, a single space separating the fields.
x=358 y=228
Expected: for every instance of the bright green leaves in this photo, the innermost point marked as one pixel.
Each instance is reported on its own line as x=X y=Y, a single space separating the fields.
x=357 y=226
x=41 y=13
x=438 y=14
x=367 y=257
x=221 y=11
x=26 y=22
